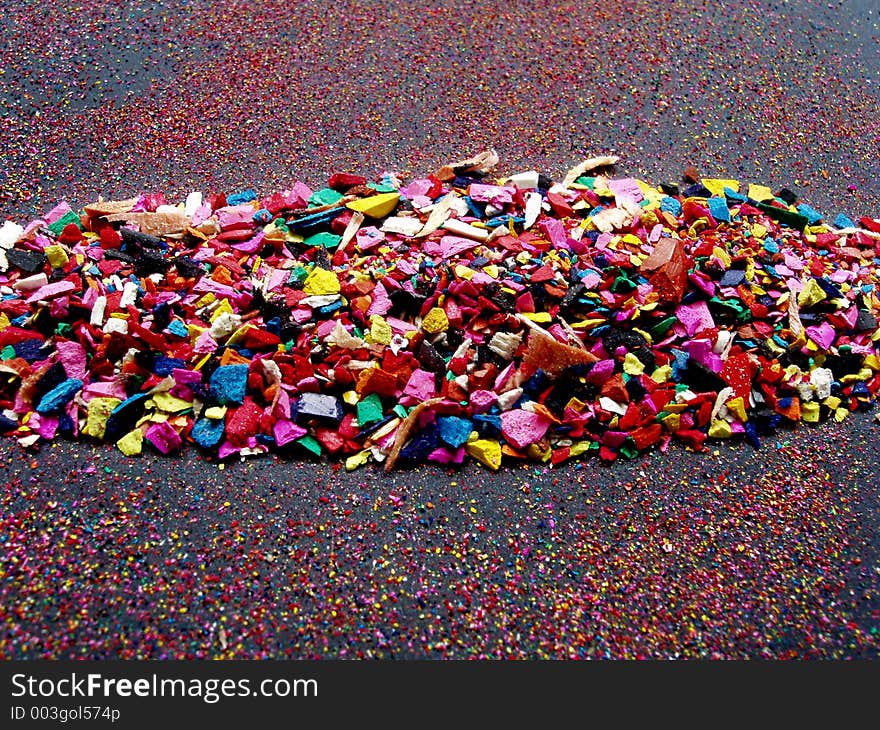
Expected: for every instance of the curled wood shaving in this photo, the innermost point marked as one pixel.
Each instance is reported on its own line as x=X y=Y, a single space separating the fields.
x=402 y=435
x=592 y=164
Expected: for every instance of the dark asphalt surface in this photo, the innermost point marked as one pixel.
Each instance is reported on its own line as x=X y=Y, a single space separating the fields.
x=743 y=553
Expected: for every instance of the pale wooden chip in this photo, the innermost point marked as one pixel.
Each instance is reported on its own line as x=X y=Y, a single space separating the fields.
x=402 y=435
x=110 y=207
x=592 y=164
x=547 y=353
x=484 y=162
x=438 y=215
x=154 y=224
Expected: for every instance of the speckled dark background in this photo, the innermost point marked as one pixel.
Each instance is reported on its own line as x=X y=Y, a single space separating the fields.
x=735 y=554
